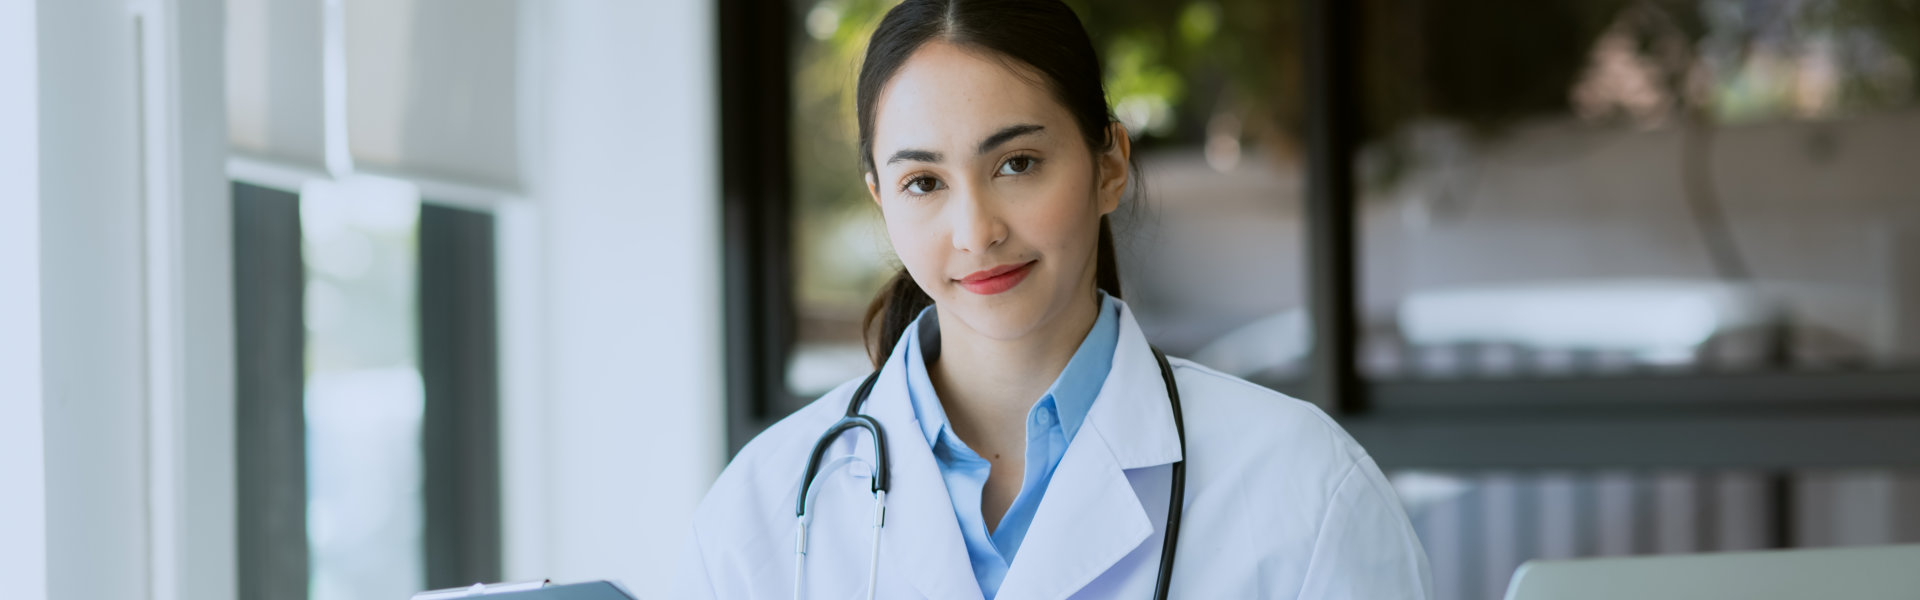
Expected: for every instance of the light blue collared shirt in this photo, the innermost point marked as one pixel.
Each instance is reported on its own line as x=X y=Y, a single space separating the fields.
x=1051 y=425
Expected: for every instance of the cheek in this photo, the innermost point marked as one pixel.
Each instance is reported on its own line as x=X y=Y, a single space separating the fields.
x=918 y=242
x=1065 y=220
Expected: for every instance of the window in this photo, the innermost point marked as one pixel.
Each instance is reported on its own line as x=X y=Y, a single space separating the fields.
x=365 y=291
x=368 y=399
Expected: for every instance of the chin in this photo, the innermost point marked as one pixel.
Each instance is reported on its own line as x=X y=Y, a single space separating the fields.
x=1009 y=315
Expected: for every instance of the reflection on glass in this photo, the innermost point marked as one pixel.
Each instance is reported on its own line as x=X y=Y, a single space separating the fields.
x=363 y=396
x=1210 y=254
x=1478 y=527
x=1570 y=188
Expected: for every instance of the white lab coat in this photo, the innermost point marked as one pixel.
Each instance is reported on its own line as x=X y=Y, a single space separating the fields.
x=1280 y=503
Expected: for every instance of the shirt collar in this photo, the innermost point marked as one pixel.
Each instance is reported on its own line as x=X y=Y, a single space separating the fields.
x=926 y=403
x=1073 y=392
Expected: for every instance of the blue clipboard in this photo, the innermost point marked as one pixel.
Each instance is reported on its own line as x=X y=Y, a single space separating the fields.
x=592 y=590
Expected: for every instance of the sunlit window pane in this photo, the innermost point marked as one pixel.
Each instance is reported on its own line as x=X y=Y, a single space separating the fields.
x=363 y=394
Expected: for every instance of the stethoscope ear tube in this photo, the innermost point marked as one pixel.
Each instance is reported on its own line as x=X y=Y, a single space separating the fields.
x=820 y=451
x=853 y=420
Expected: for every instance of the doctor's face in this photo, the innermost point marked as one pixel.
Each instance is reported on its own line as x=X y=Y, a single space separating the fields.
x=988 y=189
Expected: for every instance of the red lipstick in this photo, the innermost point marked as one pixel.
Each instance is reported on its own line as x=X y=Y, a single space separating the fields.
x=998 y=279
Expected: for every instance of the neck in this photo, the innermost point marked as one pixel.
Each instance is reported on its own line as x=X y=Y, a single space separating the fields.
x=988 y=385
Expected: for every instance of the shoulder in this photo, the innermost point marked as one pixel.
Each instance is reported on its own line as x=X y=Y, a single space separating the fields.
x=1218 y=404
x=1243 y=430
x=1268 y=463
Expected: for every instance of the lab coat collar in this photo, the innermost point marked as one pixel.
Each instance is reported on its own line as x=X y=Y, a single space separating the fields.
x=1090 y=517
x=1132 y=409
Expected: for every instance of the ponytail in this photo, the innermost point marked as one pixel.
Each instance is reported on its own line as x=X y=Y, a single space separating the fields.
x=901 y=300
x=1106 y=274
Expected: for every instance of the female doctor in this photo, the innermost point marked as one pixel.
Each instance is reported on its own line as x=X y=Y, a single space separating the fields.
x=1031 y=440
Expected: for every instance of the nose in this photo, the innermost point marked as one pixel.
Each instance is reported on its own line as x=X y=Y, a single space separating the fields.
x=977 y=225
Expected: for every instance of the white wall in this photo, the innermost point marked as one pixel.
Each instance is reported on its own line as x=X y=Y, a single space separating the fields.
x=115 y=223
x=23 y=532
x=625 y=178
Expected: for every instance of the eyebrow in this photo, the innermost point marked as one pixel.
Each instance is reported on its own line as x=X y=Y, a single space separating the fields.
x=925 y=156
x=1004 y=135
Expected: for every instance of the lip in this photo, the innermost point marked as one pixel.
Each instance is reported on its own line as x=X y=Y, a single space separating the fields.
x=998 y=279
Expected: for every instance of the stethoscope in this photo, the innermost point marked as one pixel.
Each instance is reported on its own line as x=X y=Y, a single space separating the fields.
x=854 y=420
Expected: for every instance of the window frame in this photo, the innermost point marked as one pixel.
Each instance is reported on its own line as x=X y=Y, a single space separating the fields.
x=756 y=180
x=270 y=434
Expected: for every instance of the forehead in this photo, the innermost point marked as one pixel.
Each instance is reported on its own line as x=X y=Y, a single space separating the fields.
x=949 y=96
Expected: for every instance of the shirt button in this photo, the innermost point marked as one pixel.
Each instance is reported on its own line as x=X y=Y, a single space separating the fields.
x=1044 y=418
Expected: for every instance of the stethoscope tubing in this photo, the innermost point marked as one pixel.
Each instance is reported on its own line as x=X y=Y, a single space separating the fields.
x=1177 y=491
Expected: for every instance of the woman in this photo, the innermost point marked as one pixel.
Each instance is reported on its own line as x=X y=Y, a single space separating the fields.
x=1031 y=439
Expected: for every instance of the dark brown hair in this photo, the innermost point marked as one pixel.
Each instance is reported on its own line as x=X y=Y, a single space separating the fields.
x=1044 y=35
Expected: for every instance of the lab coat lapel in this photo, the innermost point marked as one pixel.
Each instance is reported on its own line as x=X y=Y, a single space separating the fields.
x=921 y=540
x=1091 y=517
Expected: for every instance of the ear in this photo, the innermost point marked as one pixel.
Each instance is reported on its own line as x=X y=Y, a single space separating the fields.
x=873 y=188
x=1114 y=171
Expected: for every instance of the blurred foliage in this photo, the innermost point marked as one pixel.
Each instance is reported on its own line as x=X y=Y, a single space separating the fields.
x=1893 y=26
x=1191 y=60
x=1491 y=63
x=833 y=216
x=1483 y=62
x=1171 y=65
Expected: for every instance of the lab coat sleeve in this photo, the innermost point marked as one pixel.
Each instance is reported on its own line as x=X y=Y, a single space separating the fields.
x=694 y=581
x=1366 y=547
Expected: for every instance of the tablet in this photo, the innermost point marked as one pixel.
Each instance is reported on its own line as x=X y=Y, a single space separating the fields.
x=592 y=590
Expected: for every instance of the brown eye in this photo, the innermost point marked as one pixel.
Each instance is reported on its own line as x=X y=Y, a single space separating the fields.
x=921 y=185
x=1018 y=165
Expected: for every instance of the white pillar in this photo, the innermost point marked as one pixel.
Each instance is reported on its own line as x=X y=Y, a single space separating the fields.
x=626 y=182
